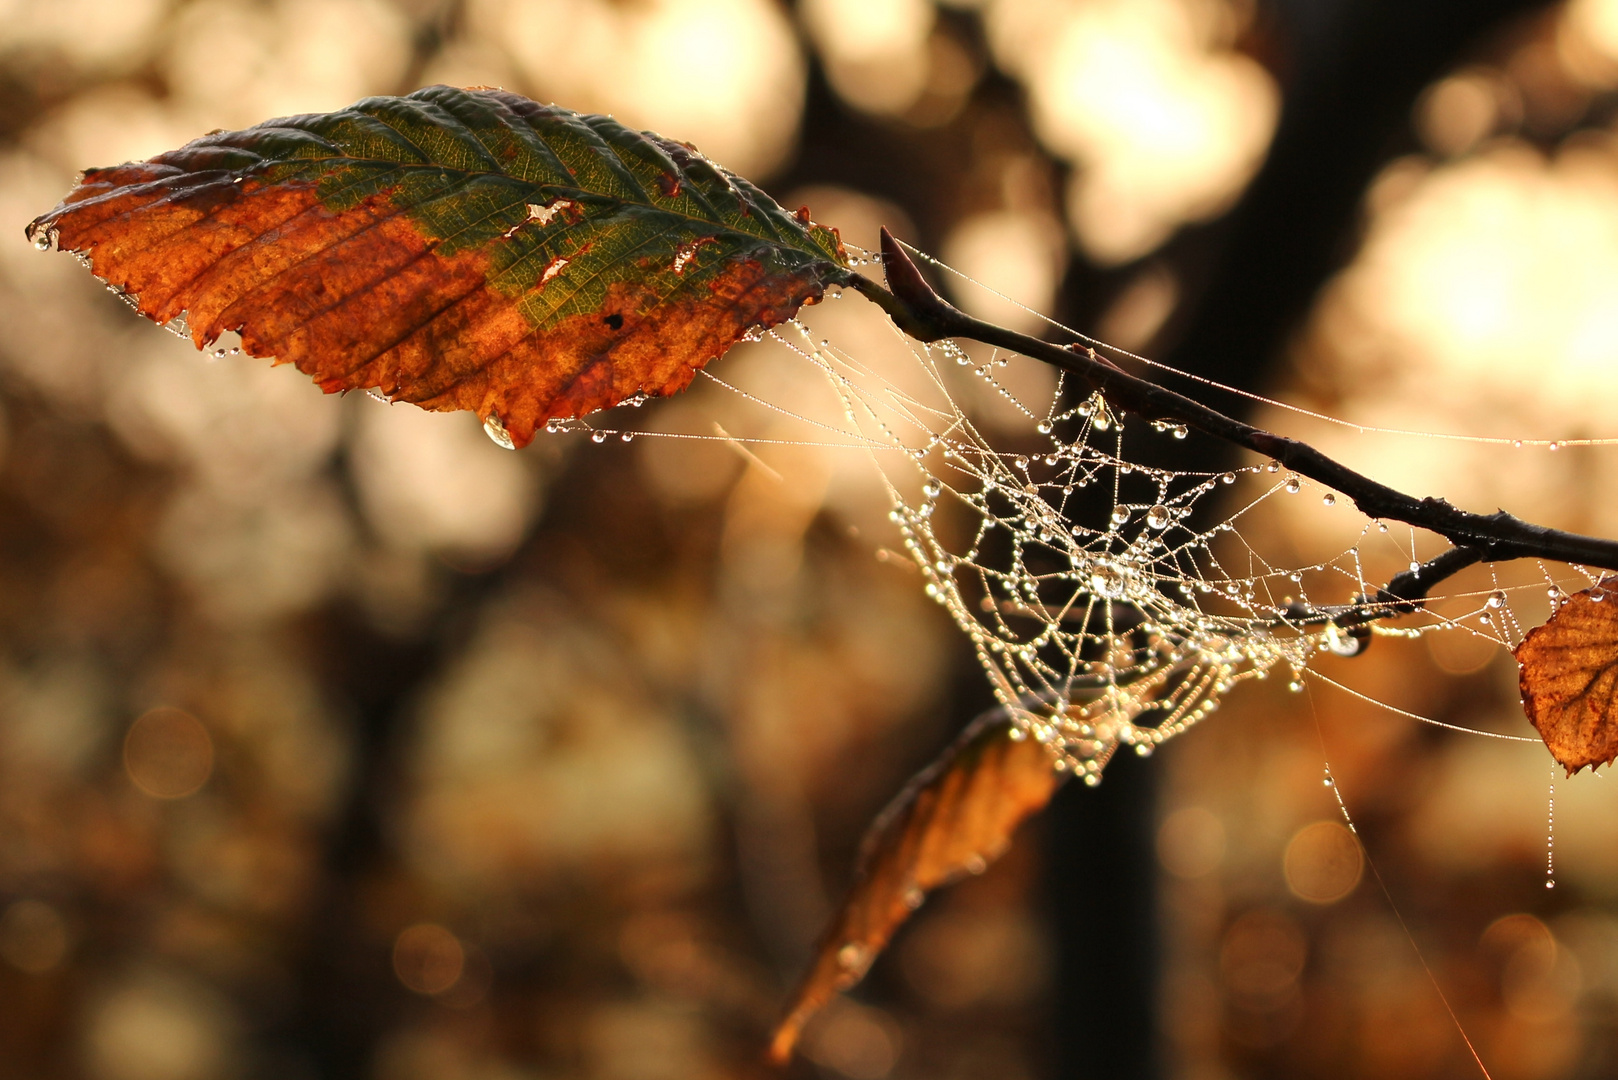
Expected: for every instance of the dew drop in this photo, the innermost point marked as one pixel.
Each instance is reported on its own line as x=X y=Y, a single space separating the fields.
x=1273 y=467
x=932 y=489
x=1516 y=444
x=1044 y=427
x=220 y=354
x=42 y=242
x=853 y=957
x=1181 y=431
x=1292 y=485
x=599 y=437
x=1328 y=499
x=1228 y=478
x=1106 y=581
x=1497 y=598
x=628 y=436
x=1120 y=514
x=496 y=430
x=1158 y=517
x=1554 y=446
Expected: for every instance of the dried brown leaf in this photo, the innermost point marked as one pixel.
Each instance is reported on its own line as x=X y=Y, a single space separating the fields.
x=1569 y=678
x=953 y=819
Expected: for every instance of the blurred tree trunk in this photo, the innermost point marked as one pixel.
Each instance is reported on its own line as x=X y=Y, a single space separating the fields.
x=1351 y=72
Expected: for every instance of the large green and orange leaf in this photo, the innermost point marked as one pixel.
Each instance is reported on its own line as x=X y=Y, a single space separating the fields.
x=952 y=819
x=458 y=249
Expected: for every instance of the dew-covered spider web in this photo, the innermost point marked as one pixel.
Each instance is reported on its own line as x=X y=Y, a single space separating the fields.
x=1112 y=601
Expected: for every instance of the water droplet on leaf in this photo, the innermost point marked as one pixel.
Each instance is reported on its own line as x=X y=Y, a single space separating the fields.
x=496 y=430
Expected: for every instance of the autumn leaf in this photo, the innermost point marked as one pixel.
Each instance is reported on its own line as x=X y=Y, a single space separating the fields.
x=953 y=819
x=458 y=249
x=1568 y=673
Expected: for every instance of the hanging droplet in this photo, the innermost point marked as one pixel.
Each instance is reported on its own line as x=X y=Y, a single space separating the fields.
x=1158 y=517
x=1516 y=444
x=1120 y=514
x=932 y=489
x=1497 y=598
x=1273 y=467
x=496 y=430
x=1328 y=499
x=599 y=437
x=1181 y=431
x=1044 y=427
x=628 y=436
x=1550 y=834
x=220 y=354
x=42 y=242
x=1555 y=446
x=1228 y=478
x=1293 y=485
x=1106 y=581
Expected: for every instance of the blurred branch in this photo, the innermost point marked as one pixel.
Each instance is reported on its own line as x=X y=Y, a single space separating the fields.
x=920 y=312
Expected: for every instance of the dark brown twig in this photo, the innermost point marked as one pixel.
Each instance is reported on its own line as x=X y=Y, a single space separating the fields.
x=926 y=316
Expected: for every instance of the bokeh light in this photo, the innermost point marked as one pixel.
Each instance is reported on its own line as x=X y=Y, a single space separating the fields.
x=168 y=753
x=1323 y=862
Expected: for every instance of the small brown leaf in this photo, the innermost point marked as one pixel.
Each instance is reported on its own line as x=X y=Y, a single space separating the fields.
x=953 y=819
x=1569 y=678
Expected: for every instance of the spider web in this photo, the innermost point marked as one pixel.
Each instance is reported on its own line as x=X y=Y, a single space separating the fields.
x=1111 y=603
